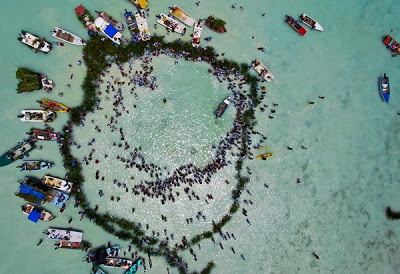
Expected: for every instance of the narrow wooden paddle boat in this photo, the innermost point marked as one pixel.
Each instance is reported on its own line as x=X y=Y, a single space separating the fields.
x=384 y=87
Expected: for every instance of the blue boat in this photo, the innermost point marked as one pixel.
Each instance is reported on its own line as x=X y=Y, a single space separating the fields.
x=222 y=107
x=384 y=87
x=134 y=268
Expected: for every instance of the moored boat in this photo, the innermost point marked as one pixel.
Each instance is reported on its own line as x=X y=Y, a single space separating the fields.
x=36 y=213
x=262 y=70
x=70 y=244
x=44 y=135
x=295 y=25
x=109 y=19
x=35 y=165
x=67 y=37
x=222 y=107
x=197 y=30
x=65 y=235
x=34 y=42
x=37 y=116
x=57 y=183
x=53 y=105
x=118 y=263
x=29 y=80
x=134 y=268
x=171 y=24
x=31 y=194
x=108 y=30
x=20 y=151
x=140 y=3
x=142 y=25
x=182 y=16
x=391 y=44
x=130 y=21
x=216 y=24
x=307 y=20
x=264 y=156
x=384 y=87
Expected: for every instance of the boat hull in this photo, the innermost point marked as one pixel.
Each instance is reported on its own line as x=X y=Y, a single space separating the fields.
x=35 y=165
x=222 y=107
x=262 y=70
x=36 y=116
x=142 y=25
x=35 y=42
x=197 y=31
x=53 y=105
x=391 y=44
x=18 y=152
x=171 y=24
x=295 y=25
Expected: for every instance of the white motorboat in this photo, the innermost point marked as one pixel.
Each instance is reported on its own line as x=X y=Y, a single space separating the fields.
x=307 y=20
x=67 y=36
x=109 y=19
x=262 y=70
x=142 y=25
x=197 y=30
x=108 y=30
x=182 y=16
x=37 y=116
x=171 y=24
x=34 y=42
x=57 y=183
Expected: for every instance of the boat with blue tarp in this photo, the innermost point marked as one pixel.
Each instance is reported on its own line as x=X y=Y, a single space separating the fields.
x=222 y=107
x=31 y=194
x=384 y=87
x=36 y=213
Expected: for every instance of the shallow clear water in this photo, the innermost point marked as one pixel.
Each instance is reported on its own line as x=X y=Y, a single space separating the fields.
x=349 y=173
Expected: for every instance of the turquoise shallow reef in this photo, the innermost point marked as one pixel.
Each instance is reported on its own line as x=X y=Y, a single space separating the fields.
x=348 y=174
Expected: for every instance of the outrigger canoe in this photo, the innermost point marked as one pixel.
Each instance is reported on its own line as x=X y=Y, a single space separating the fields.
x=53 y=105
x=384 y=87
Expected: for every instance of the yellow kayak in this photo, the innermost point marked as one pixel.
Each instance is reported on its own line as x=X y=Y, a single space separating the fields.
x=53 y=105
x=263 y=147
x=265 y=155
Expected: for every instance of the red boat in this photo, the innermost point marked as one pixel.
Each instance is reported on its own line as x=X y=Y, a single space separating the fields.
x=295 y=25
x=391 y=44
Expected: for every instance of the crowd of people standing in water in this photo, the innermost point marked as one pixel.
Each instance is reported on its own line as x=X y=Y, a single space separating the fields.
x=160 y=183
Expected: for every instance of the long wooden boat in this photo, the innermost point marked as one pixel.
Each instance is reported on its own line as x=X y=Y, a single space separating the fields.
x=307 y=20
x=182 y=16
x=36 y=213
x=108 y=30
x=171 y=24
x=64 y=235
x=37 y=115
x=391 y=44
x=20 y=151
x=142 y=25
x=34 y=42
x=44 y=135
x=57 y=183
x=67 y=37
x=384 y=87
x=197 y=30
x=53 y=105
x=295 y=25
x=133 y=29
x=211 y=20
x=35 y=165
x=262 y=70
x=264 y=156
x=222 y=107
x=70 y=244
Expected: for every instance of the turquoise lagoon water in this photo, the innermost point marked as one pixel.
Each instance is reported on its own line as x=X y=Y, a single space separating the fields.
x=349 y=173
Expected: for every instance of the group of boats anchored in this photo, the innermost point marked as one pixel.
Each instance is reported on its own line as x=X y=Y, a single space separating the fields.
x=48 y=114
x=306 y=20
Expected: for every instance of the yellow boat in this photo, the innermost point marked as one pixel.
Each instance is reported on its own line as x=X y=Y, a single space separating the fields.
x=263 y=147
x=140 y=3
x=53 y=105
x=265 y=156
